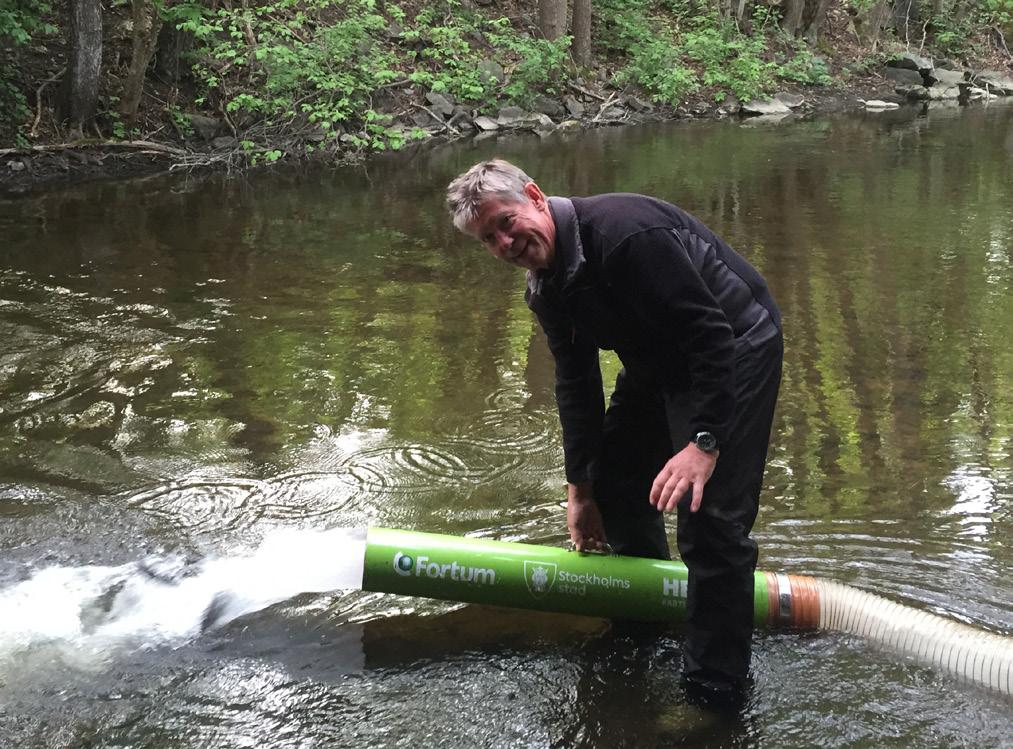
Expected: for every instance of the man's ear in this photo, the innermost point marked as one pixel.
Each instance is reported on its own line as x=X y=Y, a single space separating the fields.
x=535 y=195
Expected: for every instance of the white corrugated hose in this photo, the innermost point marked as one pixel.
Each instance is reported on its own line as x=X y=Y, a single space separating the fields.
x=965 y=652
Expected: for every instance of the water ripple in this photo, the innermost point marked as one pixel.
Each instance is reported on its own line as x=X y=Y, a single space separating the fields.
x=421 y=467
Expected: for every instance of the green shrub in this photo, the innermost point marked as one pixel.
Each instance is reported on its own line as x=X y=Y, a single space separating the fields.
x=674 y=53
x=804 y=67
x=19 y=21
x=540 y=63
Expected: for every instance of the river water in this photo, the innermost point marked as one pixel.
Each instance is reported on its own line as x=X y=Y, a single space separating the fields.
x=203 y=380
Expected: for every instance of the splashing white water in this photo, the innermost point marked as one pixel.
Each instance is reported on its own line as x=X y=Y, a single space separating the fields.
x=165 y=601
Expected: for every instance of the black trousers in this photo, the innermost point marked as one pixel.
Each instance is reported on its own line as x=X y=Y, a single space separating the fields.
x=642 y=430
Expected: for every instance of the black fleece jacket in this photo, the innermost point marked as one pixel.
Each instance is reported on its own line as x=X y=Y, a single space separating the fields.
x=645 y=279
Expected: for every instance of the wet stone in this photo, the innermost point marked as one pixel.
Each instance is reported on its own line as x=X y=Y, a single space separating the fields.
x=491 y=71
x=486 y=124
x=792 y=101
x=903 y=76
x=758 y=107
x=440 y=104
x=573 y=106
x=949 y=77
x=547 y=106
x=911 y=61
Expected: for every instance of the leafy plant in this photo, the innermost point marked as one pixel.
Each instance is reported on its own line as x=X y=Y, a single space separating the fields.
x=19 y=21
x=674 y=55
x=804 y=67
x=540 y=62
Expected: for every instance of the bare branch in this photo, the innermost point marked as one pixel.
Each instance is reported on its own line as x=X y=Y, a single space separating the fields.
x=446 y=125
x=604 y=106
x=38 y=99
x=126 y=145
x=586 y=92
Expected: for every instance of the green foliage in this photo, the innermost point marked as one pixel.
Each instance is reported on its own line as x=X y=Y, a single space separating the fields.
x=277 y=64
x=730 y=60
x=440 y=54
x=180 y=121
x=653 y=61
x=996 y=13
x=336 y=66
x=268 y=63
x=804 y=67
x=953 y=36
x=957 y=34
x=541 y=63
x=673 y=54
x=657 y=67
x=19 y=21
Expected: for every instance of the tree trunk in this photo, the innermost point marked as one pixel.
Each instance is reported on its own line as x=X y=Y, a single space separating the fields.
x=906 y=17
x=80 y=83
x=582 y=33
x=740 y=14
x=147 y=24
x=791 y=20
x=868 y=24
x=552 y=18
x=816 y=14
x=171 y=48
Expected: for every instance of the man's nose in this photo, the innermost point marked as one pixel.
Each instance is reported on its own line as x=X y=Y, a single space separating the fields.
x=501 y=243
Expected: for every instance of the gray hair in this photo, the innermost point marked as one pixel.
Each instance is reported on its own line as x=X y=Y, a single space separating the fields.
x=488 y=179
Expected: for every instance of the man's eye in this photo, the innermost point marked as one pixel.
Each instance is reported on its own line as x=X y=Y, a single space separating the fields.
x=507 y=221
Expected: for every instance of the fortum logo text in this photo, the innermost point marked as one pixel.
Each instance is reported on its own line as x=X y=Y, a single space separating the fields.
x=407 y=566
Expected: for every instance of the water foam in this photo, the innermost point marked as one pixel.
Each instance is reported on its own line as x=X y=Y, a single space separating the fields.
x=165 y=600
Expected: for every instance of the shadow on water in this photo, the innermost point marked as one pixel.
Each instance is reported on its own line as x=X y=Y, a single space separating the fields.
x=480 y=676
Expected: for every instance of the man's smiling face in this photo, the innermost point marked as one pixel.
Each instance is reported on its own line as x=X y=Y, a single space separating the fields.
x=519 y=232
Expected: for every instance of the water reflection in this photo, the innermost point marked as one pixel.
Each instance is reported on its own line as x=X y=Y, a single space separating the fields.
x=184 y=363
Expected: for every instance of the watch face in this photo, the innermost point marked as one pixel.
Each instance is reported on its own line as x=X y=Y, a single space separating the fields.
x=706 y=441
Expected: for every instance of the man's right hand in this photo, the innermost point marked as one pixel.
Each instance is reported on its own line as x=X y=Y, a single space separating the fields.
x=583 y=519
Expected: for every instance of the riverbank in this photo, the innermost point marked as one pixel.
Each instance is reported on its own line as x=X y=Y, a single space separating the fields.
x=409 y=79
x=53 y=166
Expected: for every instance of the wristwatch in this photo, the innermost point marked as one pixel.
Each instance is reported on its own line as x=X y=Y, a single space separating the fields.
x=705 y=441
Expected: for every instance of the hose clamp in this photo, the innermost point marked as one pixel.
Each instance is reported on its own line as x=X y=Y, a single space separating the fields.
x=783 y=598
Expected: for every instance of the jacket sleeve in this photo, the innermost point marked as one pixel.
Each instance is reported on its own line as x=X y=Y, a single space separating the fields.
x=660 y=273
x=579 y=395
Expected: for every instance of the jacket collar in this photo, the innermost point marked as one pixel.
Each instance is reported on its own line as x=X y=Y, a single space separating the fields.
x=569 y=258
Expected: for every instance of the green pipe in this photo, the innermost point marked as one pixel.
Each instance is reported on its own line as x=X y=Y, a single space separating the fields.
x=500 y=573
x=477 y=570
